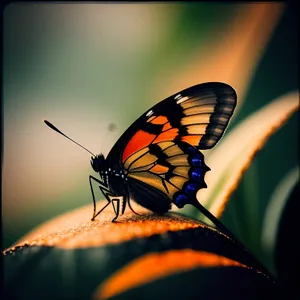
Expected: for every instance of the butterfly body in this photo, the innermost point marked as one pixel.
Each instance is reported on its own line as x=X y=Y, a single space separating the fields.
x=157 y=161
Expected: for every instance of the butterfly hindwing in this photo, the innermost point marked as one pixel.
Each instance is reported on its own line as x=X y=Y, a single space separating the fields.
x=176 y=169
x=149 y=197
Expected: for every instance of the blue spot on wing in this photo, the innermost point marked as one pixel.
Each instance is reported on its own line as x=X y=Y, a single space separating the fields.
x=197 y=174
x=191 y=150
x=191 y=188
x=181 y=200
x=197 y=160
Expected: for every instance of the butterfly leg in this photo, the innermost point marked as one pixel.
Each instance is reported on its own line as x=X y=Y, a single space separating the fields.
x=124 y=201
x=107 y=196
x=105 y=191
x=117 y=210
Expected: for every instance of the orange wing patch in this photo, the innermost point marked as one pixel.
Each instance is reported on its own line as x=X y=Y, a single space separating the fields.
x=159 y=169
x=167 y=126
x=159 y=120
x=192 y=139
x=195 y=139
x=167 y=135
x=140 y=140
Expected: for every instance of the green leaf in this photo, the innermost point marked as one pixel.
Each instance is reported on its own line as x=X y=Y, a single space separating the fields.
x=274 y=211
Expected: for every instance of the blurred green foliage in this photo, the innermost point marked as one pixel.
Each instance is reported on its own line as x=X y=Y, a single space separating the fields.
x=276 y=75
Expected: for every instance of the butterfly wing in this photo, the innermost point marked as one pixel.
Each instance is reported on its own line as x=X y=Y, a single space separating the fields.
x=174 y=168
x=159 y=150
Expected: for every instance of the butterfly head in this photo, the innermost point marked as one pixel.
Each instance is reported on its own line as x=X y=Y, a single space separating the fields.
x=98 y=163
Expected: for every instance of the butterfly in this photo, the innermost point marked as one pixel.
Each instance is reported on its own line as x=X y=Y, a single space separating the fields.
x=157 y=161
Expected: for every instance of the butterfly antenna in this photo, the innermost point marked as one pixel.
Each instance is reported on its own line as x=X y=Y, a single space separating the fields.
x=57 y=130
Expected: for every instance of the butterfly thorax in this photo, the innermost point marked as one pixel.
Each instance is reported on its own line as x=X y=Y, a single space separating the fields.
x=108 y=175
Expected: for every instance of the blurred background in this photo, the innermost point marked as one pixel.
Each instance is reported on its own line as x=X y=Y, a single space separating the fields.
x=84 y=66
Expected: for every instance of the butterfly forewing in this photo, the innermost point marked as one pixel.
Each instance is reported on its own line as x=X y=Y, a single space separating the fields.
x=198 y=115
